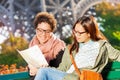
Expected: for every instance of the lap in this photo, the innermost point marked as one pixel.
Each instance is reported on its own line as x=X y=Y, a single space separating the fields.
x=50 y=73
x=71 y=76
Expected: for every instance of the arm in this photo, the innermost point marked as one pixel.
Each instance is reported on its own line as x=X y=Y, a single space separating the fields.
x=55 y=62
x=66 y=62
x=113 y=53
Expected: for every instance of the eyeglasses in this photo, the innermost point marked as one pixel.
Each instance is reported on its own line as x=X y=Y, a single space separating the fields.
x=40 y=31
x=78 y=33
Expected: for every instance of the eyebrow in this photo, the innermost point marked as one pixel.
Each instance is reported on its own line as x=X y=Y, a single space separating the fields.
x=80 y=31
x=44 y=29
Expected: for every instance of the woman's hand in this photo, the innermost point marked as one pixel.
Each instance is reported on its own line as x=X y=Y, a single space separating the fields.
x=33 y=70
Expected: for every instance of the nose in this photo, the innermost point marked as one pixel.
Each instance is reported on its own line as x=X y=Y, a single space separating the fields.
x=43 y=33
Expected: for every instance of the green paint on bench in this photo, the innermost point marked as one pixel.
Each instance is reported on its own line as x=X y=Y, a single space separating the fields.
x=111 y=72
x=16 y=76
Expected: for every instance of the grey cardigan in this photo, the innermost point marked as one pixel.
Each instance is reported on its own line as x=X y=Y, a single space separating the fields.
x=106 y=53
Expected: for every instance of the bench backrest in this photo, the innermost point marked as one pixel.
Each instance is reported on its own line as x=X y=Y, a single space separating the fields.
x=112 y=71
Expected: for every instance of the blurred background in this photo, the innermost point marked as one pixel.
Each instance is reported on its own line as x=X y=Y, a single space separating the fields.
x=16 y=24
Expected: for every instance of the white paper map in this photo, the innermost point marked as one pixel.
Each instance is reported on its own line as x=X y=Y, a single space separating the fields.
x=33 y=56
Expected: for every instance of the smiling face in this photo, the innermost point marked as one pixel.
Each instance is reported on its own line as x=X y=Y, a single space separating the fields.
x=80 y=33
x=43 y=32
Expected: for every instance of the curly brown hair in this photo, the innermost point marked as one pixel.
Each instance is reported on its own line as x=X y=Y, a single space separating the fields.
x=45 y=17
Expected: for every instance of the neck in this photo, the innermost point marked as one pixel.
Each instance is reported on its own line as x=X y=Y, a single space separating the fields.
x=87 y=40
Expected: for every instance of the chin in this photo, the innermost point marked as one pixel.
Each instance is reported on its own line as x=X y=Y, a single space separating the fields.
x=45 y=41
x=79 y=41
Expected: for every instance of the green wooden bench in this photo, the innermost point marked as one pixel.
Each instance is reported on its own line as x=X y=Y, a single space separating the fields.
x=16 y=76
x=111 y=72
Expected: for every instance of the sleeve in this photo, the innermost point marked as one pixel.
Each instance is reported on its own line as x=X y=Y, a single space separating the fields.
x=66 y=62
x=113 y=53
x=55 y=62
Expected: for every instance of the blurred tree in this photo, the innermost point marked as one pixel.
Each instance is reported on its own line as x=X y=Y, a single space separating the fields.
x=110 y=22
x=9 y=54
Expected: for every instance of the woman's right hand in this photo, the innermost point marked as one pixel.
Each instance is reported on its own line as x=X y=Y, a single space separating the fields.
x=33 y=70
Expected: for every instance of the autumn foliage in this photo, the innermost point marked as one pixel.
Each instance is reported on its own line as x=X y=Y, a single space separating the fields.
x=5 y=69
x=10 y=60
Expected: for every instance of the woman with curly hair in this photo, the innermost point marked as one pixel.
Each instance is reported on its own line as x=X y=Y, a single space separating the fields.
x=51 y=46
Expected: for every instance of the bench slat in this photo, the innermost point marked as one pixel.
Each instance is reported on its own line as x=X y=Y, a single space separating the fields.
x=15 y=76
x=115 y=65
x=113 y=75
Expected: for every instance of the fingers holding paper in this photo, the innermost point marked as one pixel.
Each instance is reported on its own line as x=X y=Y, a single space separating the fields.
x=33 y=70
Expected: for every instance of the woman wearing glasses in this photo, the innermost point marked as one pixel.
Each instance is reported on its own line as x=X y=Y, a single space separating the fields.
x=49 y=44
x=90 y=49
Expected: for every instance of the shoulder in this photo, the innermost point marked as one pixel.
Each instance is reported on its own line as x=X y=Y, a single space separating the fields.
x=59 y=41
x=106 y=44
x=103 y=42
x=69 y=46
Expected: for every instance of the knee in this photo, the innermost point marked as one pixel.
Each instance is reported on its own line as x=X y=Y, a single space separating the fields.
x=41 y=71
